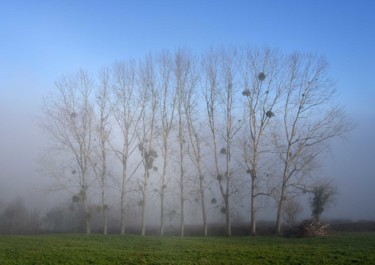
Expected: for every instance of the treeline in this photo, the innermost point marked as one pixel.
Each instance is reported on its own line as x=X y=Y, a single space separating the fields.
x=16 y=218
x=175 y=133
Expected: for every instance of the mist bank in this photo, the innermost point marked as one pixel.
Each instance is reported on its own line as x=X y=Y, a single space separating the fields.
x=205 y=131
x=17 y=218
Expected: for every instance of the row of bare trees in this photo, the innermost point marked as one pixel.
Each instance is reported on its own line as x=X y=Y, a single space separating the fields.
x=178 y=125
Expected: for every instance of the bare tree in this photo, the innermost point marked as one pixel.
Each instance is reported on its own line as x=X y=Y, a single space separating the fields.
x=183 y=76
x=309 y=122
x=128 y=111
x=68 y=118
x=192 y=109
x=211 y=95
x=228 y=103
x=167 y=107
x=220 y=88
x=99 y=162
x=147 y=133
x=260 y=77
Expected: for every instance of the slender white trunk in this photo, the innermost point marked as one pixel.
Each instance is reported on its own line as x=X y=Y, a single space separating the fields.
x=123 y=198
x=144 y=204
x=253 y=209
x=163 y=186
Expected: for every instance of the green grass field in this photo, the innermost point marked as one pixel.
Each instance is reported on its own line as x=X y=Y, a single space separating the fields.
x=114 y=249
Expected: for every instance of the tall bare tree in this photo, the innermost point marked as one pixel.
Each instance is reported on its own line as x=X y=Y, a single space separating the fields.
x=147 y=133
x=167 y=108
x=220 y=69
x=183 y=77
x=228 y=104
x=68 y=118
x=100 y=161
x=128 y=111
x=310 y=120
x=192 y=109
x=210 y=65
x=261 y=83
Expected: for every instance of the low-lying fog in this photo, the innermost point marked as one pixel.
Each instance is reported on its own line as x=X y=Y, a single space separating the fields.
x=350 y=164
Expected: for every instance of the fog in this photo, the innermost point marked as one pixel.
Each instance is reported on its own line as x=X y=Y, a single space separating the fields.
x=43 y=43
x=349 y=163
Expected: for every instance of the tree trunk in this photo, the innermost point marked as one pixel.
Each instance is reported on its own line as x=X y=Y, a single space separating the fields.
x=280 y=211
x=182 y=216
x=87 y=214
x=203 y=202
x=105 y=221
x=227 y=217
x=104 y=188
x=104 y=214
x=162 y=213
x=122 y=203
x=84 y=198
x=144 y=204
x=182 y=200
x=253 y=209
x=163 y=185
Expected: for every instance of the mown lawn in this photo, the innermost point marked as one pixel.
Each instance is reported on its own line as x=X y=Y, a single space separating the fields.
x=114 y=249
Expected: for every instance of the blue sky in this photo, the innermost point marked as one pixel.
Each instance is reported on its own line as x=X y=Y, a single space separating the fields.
x=42 y=40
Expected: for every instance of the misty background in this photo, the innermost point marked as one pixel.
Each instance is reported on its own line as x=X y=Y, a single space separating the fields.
x=42 y=41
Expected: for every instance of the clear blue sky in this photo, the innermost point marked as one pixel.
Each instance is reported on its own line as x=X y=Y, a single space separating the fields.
x=42 y=40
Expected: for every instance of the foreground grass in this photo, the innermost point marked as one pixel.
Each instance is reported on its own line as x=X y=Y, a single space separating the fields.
x=113 y=249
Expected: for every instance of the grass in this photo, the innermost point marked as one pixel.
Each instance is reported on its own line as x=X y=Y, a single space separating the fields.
x=114 y=249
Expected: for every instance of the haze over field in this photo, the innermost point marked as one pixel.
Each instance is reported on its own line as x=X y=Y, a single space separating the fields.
x=41 y=41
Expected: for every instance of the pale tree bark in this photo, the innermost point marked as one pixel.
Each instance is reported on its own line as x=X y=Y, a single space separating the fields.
x=147 y=134
x=99 y=161
x=183 y=73
x=211 y=96
x=68 y=118
x=261 y=79
x=228 y=155
x=220 y=70
x=309 y=122
x=232 y=125
x=192 y=109
x=128 y=110
x=167 y=109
